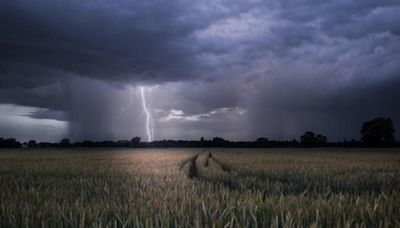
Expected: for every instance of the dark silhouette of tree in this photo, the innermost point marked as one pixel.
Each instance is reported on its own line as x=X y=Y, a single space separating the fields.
x=135 y=141
x=378 y=132
x=88 y=143
x=32 y=144
x=217 y=141
x=202 y=144
x=262 y=140
x=9 y=143
x=311 y=139
x=65 y=142
x=308 y=139
x=320 y=139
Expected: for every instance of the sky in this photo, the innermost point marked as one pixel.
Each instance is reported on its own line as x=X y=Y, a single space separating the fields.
x=228 y=68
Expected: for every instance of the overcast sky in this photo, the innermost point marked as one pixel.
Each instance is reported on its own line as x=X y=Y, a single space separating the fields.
x=233 y=69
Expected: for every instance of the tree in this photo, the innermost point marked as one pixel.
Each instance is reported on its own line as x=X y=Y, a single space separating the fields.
x=65 y=142
x=9 y=143
x=311 y=139
x=262 y=140
x=217 y=141
x=308 y=139
x=320 y=139
x=378 y=132
x=135 y=141
x=32 y=144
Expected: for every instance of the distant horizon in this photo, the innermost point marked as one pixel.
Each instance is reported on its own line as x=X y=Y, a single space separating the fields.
x=156 y=140
x=269 y=140
x=143 y=139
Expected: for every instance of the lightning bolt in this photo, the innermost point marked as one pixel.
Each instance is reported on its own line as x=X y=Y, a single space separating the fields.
x=148 y=116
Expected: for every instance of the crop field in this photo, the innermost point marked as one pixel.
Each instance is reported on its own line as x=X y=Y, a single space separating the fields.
x=200 y=188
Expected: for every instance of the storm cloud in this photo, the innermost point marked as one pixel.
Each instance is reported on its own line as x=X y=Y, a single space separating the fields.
x=234 y=69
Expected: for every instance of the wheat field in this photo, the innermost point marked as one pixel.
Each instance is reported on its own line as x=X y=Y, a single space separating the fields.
x=200 y=188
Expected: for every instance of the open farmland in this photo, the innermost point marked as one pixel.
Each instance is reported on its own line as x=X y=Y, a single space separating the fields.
x=192 y=187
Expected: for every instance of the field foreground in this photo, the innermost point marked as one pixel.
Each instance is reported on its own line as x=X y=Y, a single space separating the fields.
x=185 y=188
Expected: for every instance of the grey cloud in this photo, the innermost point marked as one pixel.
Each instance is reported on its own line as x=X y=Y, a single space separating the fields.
x=48 y=114
x=50 y=96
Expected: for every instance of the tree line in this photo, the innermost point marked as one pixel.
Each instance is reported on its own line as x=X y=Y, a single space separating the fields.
x=378 y=132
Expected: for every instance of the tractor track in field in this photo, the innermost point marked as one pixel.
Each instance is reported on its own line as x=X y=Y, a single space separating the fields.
x=224 y=166
x=192 y=171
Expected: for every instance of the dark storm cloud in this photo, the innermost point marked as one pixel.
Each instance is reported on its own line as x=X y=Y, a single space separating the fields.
x=53 y=96
x=155 y=41
x=116 y=41
x=96 y=39
x=292 y=65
